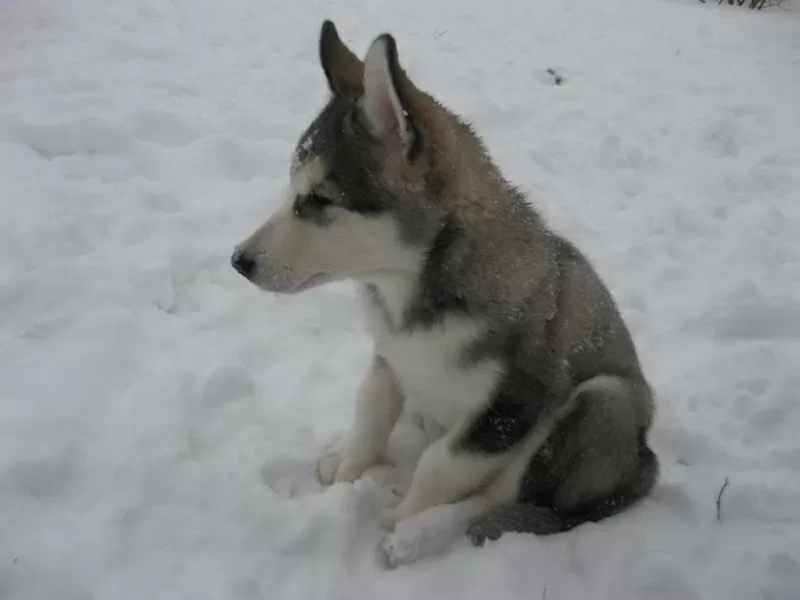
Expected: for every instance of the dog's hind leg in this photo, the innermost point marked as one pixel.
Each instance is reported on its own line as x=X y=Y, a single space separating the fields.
x=598 y=464
x=448 y=472
x=443 y=476
x=432 y=531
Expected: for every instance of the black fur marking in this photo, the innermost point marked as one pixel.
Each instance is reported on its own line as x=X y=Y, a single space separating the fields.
x=436 y=297
x=536 y=383
x=352 y=169
x=509 y=417
x=528 y=391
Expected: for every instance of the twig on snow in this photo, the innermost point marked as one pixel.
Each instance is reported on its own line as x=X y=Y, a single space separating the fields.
x=544 y=593
x=556 y=76
x=719 y=499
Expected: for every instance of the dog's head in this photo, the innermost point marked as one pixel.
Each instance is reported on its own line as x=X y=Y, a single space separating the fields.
x=360 y=203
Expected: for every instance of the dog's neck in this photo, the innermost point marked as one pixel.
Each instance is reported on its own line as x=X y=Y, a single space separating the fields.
x=422 y=297
x=389 y=294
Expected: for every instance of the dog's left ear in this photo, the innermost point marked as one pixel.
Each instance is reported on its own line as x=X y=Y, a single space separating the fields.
x=385 y=101
x=342 y=68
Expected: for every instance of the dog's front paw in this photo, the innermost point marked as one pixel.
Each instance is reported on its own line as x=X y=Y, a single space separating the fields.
x=396 y=551
x=340 y=464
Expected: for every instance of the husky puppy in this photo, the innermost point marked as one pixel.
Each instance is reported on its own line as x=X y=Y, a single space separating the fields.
x=493 y=328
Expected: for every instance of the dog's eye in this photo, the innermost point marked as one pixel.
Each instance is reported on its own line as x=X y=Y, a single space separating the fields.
x=310 y=204
x=314 y=200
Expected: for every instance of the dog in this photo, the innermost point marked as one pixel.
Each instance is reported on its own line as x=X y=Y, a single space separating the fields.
x=494 y=329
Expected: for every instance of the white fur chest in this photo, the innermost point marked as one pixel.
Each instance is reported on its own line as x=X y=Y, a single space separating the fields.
x=428 y=364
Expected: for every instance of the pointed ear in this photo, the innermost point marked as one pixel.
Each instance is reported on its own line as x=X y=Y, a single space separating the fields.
x=385 y=96
x=343 y=69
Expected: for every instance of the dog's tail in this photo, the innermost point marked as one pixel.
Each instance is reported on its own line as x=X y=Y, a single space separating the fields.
x=542 y=520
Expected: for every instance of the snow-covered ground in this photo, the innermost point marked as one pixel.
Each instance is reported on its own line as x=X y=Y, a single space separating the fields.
x=160 y=417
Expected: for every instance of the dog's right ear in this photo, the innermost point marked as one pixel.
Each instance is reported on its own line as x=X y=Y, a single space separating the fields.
x=343 y=69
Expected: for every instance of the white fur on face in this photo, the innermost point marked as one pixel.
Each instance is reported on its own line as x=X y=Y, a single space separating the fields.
x=307 y=176
x=293 y=254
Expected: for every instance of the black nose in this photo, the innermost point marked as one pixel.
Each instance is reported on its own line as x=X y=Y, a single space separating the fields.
x=243 y=263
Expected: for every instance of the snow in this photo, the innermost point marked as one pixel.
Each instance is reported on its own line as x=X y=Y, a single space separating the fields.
x=160 y=417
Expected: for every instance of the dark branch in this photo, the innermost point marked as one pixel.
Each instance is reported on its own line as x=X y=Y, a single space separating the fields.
x=719 y=500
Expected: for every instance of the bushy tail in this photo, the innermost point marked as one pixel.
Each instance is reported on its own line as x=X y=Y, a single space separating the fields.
x=542 y=520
